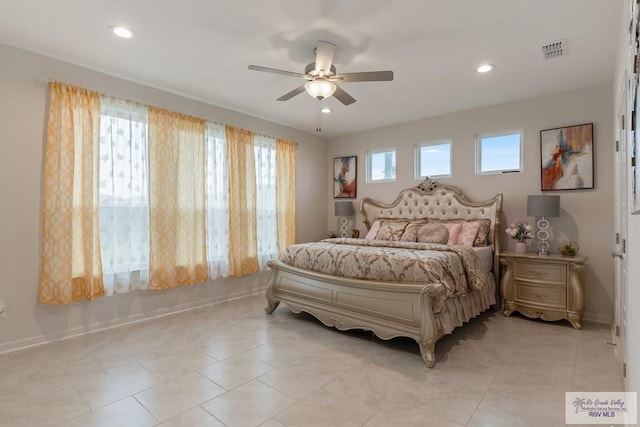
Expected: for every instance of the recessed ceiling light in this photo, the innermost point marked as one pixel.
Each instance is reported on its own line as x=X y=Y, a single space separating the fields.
x=485 y=68
x=123 y=32
x=326 y=110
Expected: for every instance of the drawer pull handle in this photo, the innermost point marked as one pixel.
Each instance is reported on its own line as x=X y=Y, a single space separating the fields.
x=531 y=272
x=539 y=294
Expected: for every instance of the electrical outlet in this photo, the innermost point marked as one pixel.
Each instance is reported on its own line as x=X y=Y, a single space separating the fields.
x=3 y=310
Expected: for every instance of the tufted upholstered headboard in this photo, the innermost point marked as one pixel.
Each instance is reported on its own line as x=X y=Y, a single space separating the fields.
x=431 y=200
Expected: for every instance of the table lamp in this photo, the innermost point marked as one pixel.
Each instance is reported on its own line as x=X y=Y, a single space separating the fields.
x=344 y=210
x=541 y=206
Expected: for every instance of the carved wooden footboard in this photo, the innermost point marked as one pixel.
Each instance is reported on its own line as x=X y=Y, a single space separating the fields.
x=389 y=310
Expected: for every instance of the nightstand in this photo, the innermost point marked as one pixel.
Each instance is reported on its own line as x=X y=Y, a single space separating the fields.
x=546 y=287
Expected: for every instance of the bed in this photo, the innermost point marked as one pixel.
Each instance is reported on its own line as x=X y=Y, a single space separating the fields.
x=363 y=283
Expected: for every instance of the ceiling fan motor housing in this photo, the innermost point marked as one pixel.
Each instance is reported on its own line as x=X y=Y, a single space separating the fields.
x=310 y=70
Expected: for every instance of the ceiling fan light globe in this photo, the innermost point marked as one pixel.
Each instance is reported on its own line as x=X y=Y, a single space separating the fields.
x=320 y=88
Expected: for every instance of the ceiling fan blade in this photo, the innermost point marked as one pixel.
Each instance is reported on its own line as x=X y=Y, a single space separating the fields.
x=275 y=71
x=369 y=76
x=343 y=96
x=324 y=57
x=287 y=96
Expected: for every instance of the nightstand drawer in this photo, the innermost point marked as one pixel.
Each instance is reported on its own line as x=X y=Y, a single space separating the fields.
x=547 y=296
x=549 y=273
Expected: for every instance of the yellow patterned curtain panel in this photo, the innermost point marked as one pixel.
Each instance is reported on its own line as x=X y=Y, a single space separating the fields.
x=71 y=265
x=286 y=193
x=243 y=240
x=177 y=233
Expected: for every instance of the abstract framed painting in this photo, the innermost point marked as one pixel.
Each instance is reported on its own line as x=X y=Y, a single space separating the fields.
x=567 y=158
x=345 y=175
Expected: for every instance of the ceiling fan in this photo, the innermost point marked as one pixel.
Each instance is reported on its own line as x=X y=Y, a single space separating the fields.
x=321 y=76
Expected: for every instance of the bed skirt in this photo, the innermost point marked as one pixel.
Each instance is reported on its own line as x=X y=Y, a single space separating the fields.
x=460 y=309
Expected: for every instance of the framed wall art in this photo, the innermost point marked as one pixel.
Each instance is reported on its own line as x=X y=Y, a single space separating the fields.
x=345 y=175
x=567 y=158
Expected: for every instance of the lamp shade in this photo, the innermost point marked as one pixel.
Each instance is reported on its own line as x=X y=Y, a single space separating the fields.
x=541 y=205
x=344 y=209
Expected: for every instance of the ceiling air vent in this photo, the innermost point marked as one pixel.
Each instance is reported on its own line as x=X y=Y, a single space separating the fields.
x=555 y=49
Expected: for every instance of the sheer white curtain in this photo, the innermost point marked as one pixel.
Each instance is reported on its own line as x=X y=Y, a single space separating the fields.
x=123 y=194
x=217 y=201
x=267 y=223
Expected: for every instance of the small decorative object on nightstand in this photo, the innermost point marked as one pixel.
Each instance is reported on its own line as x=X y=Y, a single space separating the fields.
x=520 y=231
x=549 y=288
x=569 y=249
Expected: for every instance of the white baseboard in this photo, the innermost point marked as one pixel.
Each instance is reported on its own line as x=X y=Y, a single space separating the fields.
x=38 y=340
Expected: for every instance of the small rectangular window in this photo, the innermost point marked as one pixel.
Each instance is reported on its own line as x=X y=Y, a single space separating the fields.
x=499 y=153
x=433 y=159
x=381 y=166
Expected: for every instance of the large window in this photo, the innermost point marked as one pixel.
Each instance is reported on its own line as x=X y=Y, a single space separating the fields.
x=124 y=203
x=217 y=200
x=147 y=200
x=266 y=212
x=381 y=166
x=499 y=153
x=123 y=196
x=433 y=159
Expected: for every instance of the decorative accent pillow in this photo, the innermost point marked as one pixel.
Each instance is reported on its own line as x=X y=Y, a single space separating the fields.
x=391 y=229
x=482 y=239
x=410 y=233
x=373 y=231
x=454 y=229
x=433 y=233
x=468 y=234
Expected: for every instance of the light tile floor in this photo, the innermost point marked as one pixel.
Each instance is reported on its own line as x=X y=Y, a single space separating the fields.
x=230 y=364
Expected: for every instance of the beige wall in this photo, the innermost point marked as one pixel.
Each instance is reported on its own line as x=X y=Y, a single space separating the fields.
x=22 y=122
x=586 y=215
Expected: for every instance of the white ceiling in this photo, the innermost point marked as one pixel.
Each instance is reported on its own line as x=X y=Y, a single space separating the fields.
x=201 y=49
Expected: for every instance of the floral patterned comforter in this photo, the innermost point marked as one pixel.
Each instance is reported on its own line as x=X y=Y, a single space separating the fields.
x=457 y=268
